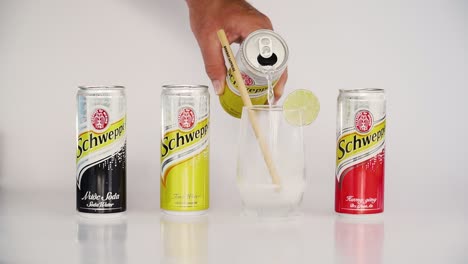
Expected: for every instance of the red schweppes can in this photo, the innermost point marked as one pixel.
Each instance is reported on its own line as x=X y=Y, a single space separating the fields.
x=360 y=152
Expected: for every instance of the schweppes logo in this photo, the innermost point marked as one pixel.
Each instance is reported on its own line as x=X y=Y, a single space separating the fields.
x=178 y=140
x=92 y=141
x=352 y=144
x=186 y=141
x=252 y=89
x=360 y=142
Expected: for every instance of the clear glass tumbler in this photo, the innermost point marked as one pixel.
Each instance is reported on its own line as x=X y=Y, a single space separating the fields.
x=284 y=142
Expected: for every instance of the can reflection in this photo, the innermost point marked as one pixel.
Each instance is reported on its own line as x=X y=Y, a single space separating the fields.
x=359 y=241
x=102 y=240
x=184 y=239
x=272 y=242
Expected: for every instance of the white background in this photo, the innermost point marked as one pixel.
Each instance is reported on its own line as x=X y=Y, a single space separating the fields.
x=416 y=50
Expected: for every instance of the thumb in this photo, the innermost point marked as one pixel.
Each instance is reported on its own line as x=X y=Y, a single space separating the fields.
x=214 y=62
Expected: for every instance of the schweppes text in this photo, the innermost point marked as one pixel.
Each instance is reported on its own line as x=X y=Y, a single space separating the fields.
x=91 y=141
x=356 y=143
x=179 y=139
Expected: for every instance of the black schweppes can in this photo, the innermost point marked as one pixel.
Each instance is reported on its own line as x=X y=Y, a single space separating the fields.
x=101 y=150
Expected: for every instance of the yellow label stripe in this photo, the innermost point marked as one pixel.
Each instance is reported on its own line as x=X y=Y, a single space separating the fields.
x=90 y=141
x=177 y=140
x=352 y=144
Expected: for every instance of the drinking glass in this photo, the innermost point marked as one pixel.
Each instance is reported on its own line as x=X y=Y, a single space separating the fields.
x=284 y=143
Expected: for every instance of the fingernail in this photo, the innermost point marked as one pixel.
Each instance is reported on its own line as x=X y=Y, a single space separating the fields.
x=217 y=86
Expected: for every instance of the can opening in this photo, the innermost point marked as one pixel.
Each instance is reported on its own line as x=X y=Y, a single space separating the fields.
x=270 y=61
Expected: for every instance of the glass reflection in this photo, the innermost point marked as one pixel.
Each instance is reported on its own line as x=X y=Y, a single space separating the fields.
x=102 y=240
x=359 y=241
x=184 y=239
x=272 y=242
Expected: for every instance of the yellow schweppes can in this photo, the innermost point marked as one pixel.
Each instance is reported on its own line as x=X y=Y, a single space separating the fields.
x=185 y=149
x=263 y=53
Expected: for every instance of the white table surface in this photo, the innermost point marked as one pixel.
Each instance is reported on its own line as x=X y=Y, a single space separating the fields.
x=42 y=227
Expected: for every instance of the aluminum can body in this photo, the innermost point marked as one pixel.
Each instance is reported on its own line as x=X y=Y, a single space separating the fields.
x=185 y=149
x=262 y=51
x=360 y=152
x=101 y=150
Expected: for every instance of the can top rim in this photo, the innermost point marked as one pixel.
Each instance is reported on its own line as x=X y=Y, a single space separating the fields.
x=362 y=90
x=94 y=87
x=185 y=86
x=251 y=36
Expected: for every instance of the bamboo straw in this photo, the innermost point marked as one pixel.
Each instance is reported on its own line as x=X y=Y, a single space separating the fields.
x=246 y=99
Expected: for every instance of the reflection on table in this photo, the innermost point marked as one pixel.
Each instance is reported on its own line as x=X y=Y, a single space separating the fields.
x=359 y=241
x=102 y=240
x=184 y=239
x=279 y=241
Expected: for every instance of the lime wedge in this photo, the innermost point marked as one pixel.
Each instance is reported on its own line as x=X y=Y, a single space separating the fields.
x=306 y=103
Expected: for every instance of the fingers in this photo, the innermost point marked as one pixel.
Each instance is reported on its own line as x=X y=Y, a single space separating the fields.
x=247 y=26
x=238 y=18
x=214 y=61
x=279 y=87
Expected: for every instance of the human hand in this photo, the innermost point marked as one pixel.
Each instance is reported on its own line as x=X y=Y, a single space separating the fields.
x=238 y=19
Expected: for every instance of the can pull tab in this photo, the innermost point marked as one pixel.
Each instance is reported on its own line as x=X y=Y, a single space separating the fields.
x=266 y=56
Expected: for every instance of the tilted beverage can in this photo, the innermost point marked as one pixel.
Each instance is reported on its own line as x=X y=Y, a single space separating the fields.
x=101 y=150
x=262 y=53
x=185 y=120
x=360 y=152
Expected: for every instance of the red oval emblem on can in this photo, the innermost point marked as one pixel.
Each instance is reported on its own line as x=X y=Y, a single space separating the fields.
x=363 y=121
x=186 y=118
x=247 y=79
x=100 y=119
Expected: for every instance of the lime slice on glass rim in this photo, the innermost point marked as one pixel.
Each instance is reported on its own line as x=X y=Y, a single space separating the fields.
x=306 y=103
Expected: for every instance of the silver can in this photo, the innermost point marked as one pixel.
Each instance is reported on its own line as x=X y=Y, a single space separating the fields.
x=185 y=149
x=101 y=150
x=263 y=54
x=360 y=152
